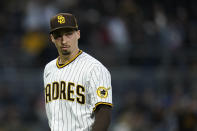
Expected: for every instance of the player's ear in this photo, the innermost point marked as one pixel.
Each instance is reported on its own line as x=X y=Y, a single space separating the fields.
x=78 y=34
x=52 y=38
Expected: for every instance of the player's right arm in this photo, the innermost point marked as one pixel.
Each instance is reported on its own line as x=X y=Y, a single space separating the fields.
x=45 y=75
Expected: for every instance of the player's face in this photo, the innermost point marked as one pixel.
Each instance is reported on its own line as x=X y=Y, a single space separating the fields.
x=66 y=41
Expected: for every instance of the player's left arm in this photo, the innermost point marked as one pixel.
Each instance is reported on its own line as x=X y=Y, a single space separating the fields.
x=102 y=118
x=101 y=97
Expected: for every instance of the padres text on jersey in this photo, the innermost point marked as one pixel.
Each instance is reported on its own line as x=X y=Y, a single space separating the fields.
x=59 y=90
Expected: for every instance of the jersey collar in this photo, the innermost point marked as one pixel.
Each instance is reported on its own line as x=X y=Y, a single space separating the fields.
x=61 y=66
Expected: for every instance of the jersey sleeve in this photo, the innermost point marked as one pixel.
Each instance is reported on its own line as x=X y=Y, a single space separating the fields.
x=44 y=76
x=100 y=89
x=48 y=112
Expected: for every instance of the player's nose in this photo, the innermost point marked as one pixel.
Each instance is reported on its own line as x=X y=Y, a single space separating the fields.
x=64 y=39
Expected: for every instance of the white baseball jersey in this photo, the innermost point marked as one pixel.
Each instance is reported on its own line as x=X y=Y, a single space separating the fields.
x=74 y=90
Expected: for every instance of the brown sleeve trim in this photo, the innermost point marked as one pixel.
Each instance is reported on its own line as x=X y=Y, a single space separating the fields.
x=102 y=103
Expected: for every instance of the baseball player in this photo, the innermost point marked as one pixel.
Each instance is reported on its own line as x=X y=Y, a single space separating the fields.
x=78 y=91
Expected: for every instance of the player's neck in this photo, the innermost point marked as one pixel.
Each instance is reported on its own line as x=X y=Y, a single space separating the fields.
x=63 y=59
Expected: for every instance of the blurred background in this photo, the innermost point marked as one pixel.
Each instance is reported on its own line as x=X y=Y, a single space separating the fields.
x=149 y=46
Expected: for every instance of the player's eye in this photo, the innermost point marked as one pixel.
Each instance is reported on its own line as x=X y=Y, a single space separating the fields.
x=60 y=33
x=56 y=35
x=69 y=34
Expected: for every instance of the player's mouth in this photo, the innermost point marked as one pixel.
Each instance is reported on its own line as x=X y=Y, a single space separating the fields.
x=65 y=47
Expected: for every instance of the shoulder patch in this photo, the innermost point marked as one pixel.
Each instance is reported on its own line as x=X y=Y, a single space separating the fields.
x=102 y=92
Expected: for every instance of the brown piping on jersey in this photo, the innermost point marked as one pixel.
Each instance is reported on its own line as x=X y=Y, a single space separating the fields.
x=61 y=66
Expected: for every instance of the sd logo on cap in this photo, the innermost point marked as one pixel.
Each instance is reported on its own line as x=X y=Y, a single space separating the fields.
x=61 y=19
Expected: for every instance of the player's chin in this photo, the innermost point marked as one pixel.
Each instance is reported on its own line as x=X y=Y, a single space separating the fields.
x=65 y=52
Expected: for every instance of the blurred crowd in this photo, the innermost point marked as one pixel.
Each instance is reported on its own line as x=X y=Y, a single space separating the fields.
x=148 y=46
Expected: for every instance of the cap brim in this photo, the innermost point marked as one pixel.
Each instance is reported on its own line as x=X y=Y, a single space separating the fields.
x=63 y=27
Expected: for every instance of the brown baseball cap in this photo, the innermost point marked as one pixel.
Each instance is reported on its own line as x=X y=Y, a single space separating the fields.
x=63 y=20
